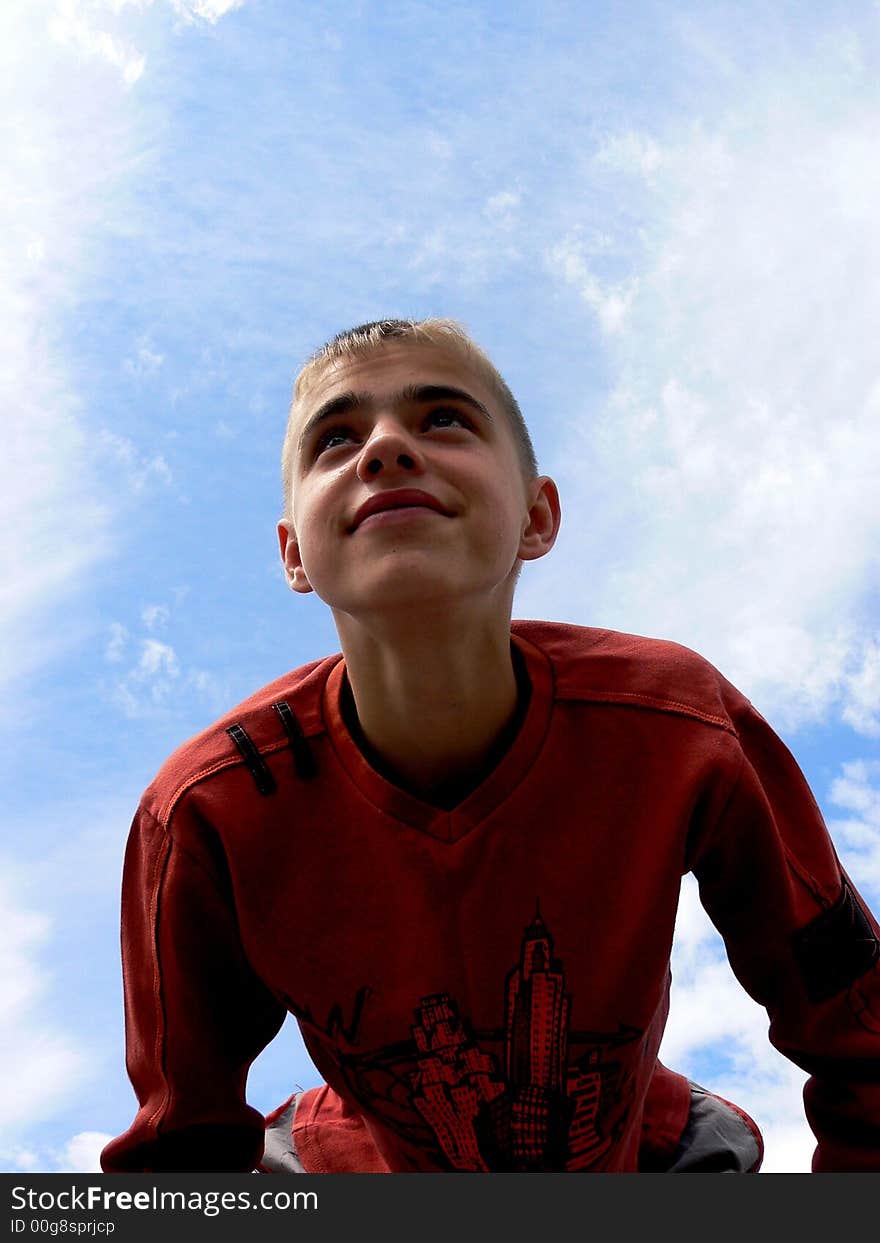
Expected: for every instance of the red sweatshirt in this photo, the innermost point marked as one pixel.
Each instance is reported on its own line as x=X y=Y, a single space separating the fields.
x=485 y=987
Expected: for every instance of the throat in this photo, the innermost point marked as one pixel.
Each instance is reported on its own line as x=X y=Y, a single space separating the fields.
x=447 y=777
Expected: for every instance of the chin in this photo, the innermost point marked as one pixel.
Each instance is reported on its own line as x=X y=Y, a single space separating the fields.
x=423 y=596
x=409 y=580
x=401 y=593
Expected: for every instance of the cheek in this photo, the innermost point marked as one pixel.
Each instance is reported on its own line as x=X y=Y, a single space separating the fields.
x=314 y=549
x=510 y=515
x=501 y=537
x=316 y=520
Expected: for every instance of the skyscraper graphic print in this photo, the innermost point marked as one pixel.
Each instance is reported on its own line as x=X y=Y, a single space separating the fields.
x=537 y=1113
x=532 y=1094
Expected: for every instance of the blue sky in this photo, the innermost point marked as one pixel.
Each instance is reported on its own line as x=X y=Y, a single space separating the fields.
x=659 y=219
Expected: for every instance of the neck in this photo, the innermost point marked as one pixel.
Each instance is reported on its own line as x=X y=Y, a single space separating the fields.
x=434 y=704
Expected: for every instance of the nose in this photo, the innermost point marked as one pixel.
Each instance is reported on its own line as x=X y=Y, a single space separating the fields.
x=389 y=448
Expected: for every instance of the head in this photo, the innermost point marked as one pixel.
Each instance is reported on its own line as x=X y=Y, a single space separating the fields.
x=446 y=336
x=409 y=417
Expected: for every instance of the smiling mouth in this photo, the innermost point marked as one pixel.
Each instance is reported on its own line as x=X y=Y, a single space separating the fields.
x=389 y=512
x=401 y=501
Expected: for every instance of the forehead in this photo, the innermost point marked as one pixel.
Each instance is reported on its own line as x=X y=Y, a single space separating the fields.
x=388 y=370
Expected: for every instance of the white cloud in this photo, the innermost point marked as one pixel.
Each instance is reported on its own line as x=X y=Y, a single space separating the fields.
x=155 y=616
x=71 y=136
x=157 y=682
x=152 y=682
x=71 y=26
x=81 y=26
x=857 y=836
x=116 y=644
x=862 y=691
x=140 y=471
x=66 y=143
x=209 y=687
x=157 y=659
x=209 y=11
x=727 y=494
x=145 y=361
x=709 y=1003
x=20 y=1159
x=81 y=1154
x=709 y=1010
x=630 y=152
x=611 y=303
x=41 y=1066
x=501 y=208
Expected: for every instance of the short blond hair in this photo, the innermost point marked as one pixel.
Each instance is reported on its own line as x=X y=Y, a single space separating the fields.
x=445 y=334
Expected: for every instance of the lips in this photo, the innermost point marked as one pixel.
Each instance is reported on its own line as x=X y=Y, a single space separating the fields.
x=398 y=498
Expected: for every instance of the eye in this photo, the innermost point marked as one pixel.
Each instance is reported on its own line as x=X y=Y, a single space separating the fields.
x=447 y=416
x=333 y=438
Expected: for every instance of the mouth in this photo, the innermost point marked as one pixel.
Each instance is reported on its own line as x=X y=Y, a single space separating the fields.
x=397 y=499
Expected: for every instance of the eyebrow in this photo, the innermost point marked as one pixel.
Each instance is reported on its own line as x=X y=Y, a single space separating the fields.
x=423 y=394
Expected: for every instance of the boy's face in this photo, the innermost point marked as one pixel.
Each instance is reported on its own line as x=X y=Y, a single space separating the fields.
x=407 y=487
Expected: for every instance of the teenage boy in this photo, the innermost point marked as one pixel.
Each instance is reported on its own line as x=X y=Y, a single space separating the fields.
x=454 y=851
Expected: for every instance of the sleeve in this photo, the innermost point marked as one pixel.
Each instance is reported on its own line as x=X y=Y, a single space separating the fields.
x=196 y=1014
x=801 y=942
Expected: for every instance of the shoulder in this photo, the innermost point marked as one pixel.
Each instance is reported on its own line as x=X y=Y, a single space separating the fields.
x=609 y=666
x=257 y=720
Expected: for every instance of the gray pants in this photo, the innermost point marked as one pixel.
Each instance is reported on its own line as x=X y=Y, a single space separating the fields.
x=716 y=1140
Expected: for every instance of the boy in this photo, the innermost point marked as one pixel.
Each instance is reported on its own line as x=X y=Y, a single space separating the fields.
x=454 y=851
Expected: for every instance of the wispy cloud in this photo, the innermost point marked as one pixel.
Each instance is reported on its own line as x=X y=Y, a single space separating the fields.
x=139 y=470
x=71 y=142
x=205 y=10
x=78 y=1155
x=41 y=1065
x=71 y=24
x=857 y=792
x=82 y=1152
x=59 y=158
x=155 y=616
x=151 y=683
x=156 y=680
x=144 y=360
x=861 y=690
x=96 y=29
x=726 y=495
x=502 y=208
x=611 y=302
x=116 y=643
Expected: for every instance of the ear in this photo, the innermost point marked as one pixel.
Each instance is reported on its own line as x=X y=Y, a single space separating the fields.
x=542 y=521
x=293 y=566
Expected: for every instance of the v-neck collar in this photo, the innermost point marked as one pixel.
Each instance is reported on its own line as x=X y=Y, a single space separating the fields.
x=452 y=824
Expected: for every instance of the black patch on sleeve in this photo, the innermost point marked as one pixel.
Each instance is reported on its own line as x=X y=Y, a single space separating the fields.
x=836 y=948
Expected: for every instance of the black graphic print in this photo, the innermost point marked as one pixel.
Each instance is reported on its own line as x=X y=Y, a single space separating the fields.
x=532 y=1096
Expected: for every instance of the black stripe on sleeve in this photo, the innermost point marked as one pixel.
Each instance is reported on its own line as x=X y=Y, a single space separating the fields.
x=303 y=758
x=257 y=766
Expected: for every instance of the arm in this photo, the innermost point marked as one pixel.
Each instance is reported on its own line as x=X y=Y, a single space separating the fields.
x=196 y=1014
x=800 y=940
